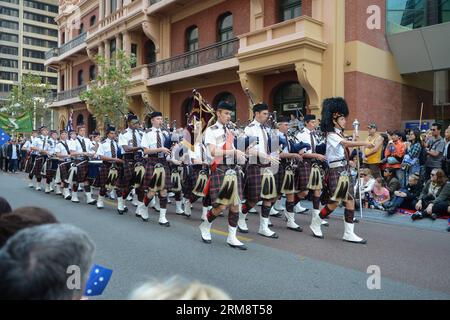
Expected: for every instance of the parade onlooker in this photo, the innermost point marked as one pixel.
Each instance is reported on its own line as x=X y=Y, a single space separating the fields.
x=446 y=157
x=373 y=156
x=385 y=137
x=410 y=162
x=394 y=153
x=178 y=289
x=367 y=182
x=379 y=195
x=392 y=183
x=430 y=193
x=13 y=155
x=435 y=150
x=22 y=218
x=441 y=205
x=405 y=197
x=34 y=263
x=5 y=207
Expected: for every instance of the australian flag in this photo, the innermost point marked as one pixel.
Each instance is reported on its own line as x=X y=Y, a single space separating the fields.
x=4 y=137
x=98 y=280
x=70 y=122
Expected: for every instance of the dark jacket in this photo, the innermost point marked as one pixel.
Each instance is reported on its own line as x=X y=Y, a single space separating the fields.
x=444 y=195
x=393 y=185
x=412 y=192
x=9 y=150
x=426 y=190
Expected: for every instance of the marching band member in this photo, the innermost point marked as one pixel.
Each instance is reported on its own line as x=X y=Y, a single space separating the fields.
x=176 y=161
x=50 y=169
x=225 y=182
x=31 y=156
x=81 y=149
x=156 y=146
x=108 y=152
x=62 y=151
x=340 y=188
x=260 y=184
x=39 y=145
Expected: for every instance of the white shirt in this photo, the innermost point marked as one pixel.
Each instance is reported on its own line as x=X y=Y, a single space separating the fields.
x=40 y=143
x=27 y=145
x=61 y=149
x=196 y=154
x=50 y=146
x=215 y=135
x=149 y=140
x=14 y=151
x=75 y=145
x=305 y=137
x=105 y=148
x=254 y=130
x=335 y=150
x=126 y=138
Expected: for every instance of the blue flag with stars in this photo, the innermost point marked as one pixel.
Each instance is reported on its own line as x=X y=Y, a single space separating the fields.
x=4 y=138
x=98 y=280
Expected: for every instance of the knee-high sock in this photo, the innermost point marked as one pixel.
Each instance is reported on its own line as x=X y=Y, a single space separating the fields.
x=193 y=198
x=163 y=202
x=316 y=202
x=290 y=206
x=87 y=187
x=178 y=196
x=233 y=218
x=140 y=194
x=102 y=191
x=265 y=211
x=325 y=212
x=210 y=216
x=349 y=215
x=75 y=187
x=206 y=201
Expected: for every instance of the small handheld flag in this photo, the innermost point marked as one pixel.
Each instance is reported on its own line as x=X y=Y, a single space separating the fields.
x=98 y=280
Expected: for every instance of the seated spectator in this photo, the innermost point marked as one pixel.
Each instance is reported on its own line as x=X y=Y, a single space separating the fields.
x=410 y=164
x=392 y=183
x=379 y=195
x=394 y=153
x=22 y=218
x=178 y=289
x=441 y=206
x=430 y=193
x=367 y=182
x=405 y=197
x=34 y=263
x=4 y=206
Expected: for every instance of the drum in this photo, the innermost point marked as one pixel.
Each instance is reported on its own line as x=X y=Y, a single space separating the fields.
x=94 y=168
x=53 y=164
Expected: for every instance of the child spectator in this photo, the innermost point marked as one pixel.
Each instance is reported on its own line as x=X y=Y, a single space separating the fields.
x=405 y=197
x=379 y=195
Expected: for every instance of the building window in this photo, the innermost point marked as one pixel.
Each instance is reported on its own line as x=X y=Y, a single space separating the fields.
x=81 y=28
x=80 y=77
x=80 y=120
x=134 y=54
x=150 y=52
x=8 y=63
x=9 y=37
x=113 y=6
x=290 y=9
x=62 y=83
x=225 y=28
x=444 y=11
x=403 y=15
x=13 y=51
x=191 y=46
x=9 y=24
x=9 y=12
x=92 y=73
x=13 y=76
x=112 y=50
x=229 y=98
x=290 y=98
x=93 y=20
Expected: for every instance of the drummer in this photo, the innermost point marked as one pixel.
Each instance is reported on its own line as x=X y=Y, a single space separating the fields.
x=62 y=152
x=51 y=163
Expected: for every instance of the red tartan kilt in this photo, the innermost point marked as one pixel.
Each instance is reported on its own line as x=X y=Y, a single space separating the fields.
x=216 y=180
x=38 y=163
x=149 y=167
x=103 y=172
x=253 y=179
x=82 y=171
x=302 y=175
x=125 y=175
x=64 y=170
x=333 y=178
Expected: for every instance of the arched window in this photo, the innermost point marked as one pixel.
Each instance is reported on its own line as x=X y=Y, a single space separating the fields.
x=92 y=21
x=80 y=77
x=227 y=97
x=192 y=45
x=290 y=9
x=92 y=124
x=80 y=120
x=81 y=28
x=62 y=83
x=92 y=73
x=186 y=108
x=225 y=29
x=290 y=98
x=150 y=54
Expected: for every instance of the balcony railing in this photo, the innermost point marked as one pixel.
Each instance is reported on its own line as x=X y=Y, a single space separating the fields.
x=55 y=52
x=72 y=93
x=214 y=53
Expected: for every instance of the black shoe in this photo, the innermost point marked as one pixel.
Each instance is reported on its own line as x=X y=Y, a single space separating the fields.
x=137 y=215
x=417 y=216
x=271 y=224
x=167 y=224
x=242 y=230
x=121 y=212
x=299 y=229
x=274 y=236
x=278 y=215
x=92 y=202
x=206 y=241
x=243 y=247
x=390 y=212
x=144 y=219
x=433 y=216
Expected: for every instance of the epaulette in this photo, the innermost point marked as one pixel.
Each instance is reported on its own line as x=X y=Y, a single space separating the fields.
x=214 y=127
x=251 y=125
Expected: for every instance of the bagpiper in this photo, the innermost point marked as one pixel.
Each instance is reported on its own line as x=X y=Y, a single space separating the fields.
x=225 y=183
x=39 y=146
x=339 y=186
x=62 y=152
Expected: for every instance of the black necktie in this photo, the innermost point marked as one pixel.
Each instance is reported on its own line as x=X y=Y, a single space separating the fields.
x=313 y=147
x=113 y=150
x=266 y=139
x=45 y=141
x=134 y=139
x=66 y=147
x=158 y=140
x=287 y=142
x=83 y=145
x=202 y=152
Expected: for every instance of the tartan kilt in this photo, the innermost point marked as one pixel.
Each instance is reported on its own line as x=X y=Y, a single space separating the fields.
x=51 y=173
x=216 y=180
x=64 y=170
x=279 y=177
x=103 y=172
x=125 y=175
x=29 y=163
x=149 y=168
x=332 y=178
x=82 y=170
x=253 y=179
x=38 y=164
x=191 y=180
x=302 y=175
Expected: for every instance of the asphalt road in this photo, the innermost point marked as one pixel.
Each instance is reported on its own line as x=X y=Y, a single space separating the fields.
x=413 y=257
